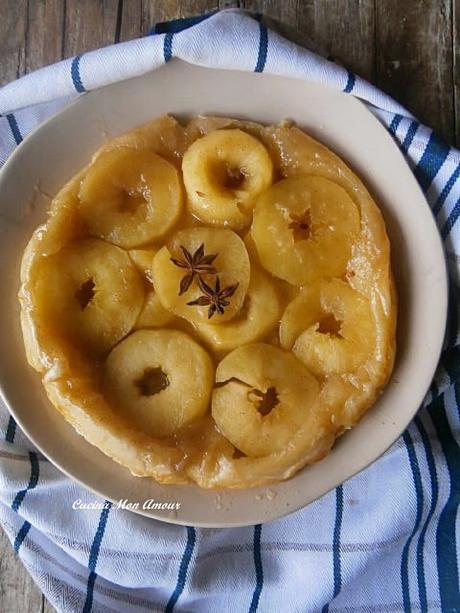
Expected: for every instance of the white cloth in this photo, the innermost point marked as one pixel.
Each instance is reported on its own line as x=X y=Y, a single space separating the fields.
x=385 y=540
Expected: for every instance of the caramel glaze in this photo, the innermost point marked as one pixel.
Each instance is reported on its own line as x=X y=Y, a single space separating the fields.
x=73 y=377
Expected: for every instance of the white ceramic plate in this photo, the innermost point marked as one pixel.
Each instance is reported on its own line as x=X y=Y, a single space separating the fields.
x=58 y=148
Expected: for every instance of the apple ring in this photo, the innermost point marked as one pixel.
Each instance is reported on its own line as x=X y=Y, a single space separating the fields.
x=130 y=197
x=224 y=172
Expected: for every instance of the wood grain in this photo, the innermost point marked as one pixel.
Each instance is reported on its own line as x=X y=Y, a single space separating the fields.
x=18 y=591
x=140 y=16
x=13 y=28
x=414 y=51
x=347 y=33
x=284 y=17
x=456 y=68
x=44 y=16
x=408 y=48
x=88 y=24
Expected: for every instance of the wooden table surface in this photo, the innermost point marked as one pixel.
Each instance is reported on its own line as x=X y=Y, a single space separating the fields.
x=408 y=48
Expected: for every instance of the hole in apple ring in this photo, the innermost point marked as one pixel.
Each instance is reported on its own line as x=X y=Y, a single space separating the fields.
x=85 y=293
x=265 y=401
x=152 y=382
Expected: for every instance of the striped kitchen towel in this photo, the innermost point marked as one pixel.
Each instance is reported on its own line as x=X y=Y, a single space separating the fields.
x=386 y=540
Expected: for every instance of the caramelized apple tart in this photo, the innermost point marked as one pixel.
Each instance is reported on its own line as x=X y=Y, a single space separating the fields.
x=211 y=302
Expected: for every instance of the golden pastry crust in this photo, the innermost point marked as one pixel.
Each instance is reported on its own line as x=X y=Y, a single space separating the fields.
x=73 y=375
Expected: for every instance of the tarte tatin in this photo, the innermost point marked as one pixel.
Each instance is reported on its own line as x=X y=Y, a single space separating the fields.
x=211 y=302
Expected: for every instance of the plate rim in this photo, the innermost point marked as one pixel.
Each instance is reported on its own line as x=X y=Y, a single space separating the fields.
x=56 y=117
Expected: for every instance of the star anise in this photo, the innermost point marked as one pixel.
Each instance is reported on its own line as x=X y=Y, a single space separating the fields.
x=195 y=264
x=215 y=298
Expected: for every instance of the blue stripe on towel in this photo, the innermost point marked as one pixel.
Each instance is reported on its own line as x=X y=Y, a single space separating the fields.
x=21 y=535
x=94 y=554
x=167 y=46
x=263 y=47
x=11 y=119
x=336 y=559
x=434 y=156
x=183 y=568
x=409 y=136
x=10 y=430
x=415 y=468
x=34 y=475
x=350 y=83
x=89 y=592
x=446 y=548
x=446 y=190
x=395 y=124
x=431 y=161
x=434 y=499
x=75 y=74
x=336 y=542
x=451 y=220
x=259 y=569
